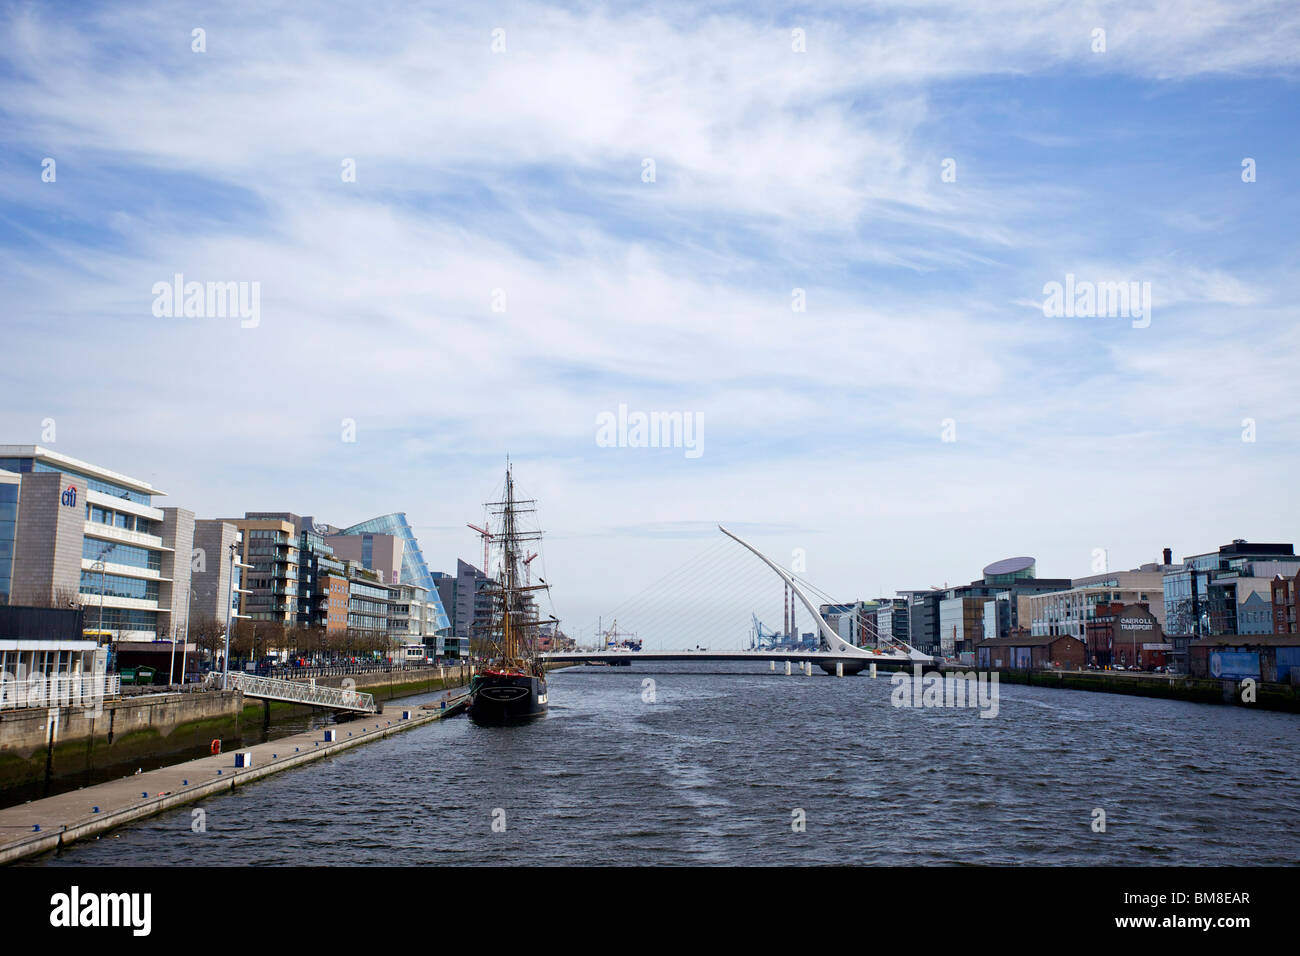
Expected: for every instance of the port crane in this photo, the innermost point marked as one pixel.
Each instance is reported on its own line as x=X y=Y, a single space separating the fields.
x=487 y=542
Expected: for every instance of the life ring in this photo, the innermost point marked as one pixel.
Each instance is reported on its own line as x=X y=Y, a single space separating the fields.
x=216 y=746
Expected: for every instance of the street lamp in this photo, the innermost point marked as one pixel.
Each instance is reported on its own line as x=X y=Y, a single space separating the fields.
x=102 y=573
x=230 y=613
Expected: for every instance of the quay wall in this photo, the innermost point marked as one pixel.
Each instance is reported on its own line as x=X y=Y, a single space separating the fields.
x=152 y=730
x=1201 y=690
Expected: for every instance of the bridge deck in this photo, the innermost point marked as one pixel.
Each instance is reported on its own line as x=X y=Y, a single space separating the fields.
x=881 y=657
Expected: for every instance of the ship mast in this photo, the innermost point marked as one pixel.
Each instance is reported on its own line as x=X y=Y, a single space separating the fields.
x=515 y=646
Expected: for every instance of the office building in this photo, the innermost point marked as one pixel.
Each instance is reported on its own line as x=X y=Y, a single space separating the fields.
x=77 y=534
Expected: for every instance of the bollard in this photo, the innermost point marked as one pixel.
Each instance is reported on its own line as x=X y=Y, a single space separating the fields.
x=839 y=668
x=873 y=670
x=94 y=809
x=787 y=668
x=36 y=828
x=144 y=793
x=185 y=783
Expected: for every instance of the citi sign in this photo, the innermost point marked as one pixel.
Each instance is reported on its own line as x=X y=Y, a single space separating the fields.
x=70 y=496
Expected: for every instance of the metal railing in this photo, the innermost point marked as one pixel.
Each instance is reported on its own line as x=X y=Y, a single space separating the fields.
x=58 y=690
x=300 y=693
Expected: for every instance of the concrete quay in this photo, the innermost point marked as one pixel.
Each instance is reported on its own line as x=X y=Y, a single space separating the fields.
x=39 y=826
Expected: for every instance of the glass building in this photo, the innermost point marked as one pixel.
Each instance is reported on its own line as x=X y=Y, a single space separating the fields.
x=8 y=521
x=414 y=570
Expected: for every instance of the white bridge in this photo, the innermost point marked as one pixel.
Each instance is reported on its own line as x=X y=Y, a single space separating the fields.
x=301 y=692
x=834 y=655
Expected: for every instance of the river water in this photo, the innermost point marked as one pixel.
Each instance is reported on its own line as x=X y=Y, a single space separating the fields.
x=725 y=760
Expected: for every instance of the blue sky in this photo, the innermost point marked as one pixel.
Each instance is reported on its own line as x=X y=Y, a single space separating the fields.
x=521 y=170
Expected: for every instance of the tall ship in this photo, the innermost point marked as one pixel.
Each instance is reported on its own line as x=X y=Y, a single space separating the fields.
x=511 y=685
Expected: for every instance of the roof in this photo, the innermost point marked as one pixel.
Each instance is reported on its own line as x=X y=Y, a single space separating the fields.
x=1245 y=640
x=1040 y=641
x=1009 y=566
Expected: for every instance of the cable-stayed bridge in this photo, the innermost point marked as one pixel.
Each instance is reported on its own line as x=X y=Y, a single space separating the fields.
x=827 y=648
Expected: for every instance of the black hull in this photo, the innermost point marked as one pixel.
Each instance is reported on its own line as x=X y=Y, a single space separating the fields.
x=506 y=699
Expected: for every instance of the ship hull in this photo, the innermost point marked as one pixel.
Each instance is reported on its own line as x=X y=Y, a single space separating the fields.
x=506 y=698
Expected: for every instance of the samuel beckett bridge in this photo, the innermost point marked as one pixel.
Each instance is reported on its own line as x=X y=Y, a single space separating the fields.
x=659 y=612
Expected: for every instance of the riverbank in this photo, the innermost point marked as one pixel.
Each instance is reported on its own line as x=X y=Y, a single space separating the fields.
x=1197 y=690
x=40 y=826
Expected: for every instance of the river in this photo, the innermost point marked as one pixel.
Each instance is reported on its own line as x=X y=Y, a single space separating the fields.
x=722 y=763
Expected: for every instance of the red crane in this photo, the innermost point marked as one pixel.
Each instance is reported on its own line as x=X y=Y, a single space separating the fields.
x=528 y=571
x=487 y=541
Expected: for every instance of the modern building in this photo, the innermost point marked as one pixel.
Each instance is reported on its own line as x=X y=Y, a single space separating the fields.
x=961 y=625
x=471 y=607
x=270 y=549
x=1006 y=582
x=413 y=617
x=334 y=585
x=1225 y=592
x=46 y=660
x=212 y=598
x=381 y=553
x=77 y=534
x=893 y=622
x=413 y=570
x=1070 y=611
x=369 y=600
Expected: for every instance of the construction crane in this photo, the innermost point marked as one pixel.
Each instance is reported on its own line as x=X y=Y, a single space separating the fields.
x=487 y=542
x=528 y=571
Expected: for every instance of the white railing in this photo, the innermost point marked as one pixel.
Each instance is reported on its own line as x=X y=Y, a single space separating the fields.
x=58 y=690
x=300 y=693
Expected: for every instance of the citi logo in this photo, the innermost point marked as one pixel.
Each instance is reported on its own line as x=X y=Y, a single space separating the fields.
x=70 y=496
x=75 y=909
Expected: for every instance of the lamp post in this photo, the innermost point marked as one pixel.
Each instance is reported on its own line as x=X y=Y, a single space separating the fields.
x=102 y=577
x=230 y=613
x=185 y=638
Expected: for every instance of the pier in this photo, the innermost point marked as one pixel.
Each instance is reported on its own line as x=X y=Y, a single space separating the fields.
x=54 y=822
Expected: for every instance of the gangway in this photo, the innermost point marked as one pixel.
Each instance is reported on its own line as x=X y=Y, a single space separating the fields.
x=299 y=692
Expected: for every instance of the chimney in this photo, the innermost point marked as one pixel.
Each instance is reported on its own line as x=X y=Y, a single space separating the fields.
x=1169 y=556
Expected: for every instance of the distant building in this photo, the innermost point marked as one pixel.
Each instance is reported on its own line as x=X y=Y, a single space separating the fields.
x=1127 y=634
x=961 y=625
x=1286 y=600
x=270 y=549
x=211 y=597
x=1031 y=653
x=1007 y=583
x=1225 y=592
x=1274 y=658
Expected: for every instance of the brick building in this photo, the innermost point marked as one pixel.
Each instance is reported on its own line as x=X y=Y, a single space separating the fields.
x=1127 y=634
x=1031 y=653
x=1286 y=592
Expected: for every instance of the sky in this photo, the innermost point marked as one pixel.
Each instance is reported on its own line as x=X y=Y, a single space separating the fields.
x=825 y=233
